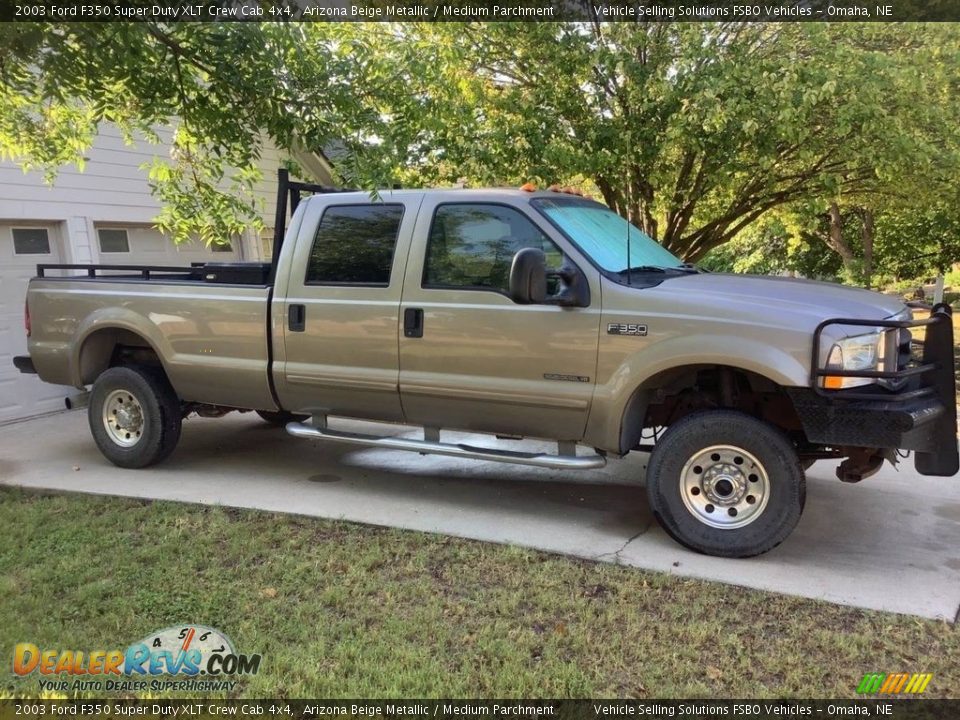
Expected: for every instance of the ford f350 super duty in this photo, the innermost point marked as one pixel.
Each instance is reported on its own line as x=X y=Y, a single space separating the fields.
x=521 y=314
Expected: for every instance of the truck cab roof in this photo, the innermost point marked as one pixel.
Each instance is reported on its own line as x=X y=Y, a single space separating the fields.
x=459 y=194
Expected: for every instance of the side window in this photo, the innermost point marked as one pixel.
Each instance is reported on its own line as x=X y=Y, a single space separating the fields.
x=113 y=241
x=472 y=246
x=354 y=245
x=31 y=241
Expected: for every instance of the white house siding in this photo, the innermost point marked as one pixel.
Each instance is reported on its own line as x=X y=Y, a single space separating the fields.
x=111 y=192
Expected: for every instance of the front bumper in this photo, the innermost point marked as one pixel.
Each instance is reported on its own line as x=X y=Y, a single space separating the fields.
x=24 y=363
x=922 y=416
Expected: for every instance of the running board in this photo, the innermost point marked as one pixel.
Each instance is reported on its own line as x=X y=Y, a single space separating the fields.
x=431 y=447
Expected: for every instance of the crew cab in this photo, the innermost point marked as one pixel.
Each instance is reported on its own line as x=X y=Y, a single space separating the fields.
x=518 y=313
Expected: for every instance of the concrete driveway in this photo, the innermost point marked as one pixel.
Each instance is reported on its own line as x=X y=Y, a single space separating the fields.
x=892 y=543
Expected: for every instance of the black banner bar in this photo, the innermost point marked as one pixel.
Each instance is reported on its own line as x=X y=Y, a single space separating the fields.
x=480 y=10
x=894 y=709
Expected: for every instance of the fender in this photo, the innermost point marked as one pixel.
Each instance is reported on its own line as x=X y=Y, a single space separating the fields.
x=616 y=397
x=116 y=318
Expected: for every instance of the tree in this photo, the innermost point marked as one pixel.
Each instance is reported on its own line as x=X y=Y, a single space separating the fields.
x=693 y=131
x=221 y=88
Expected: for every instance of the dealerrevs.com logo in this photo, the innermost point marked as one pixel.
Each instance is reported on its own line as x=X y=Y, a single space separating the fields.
x=182 y=654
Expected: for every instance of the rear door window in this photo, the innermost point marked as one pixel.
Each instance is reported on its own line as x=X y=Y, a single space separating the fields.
x=354 y=245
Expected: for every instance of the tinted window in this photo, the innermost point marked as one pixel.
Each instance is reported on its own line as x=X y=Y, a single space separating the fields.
x=472 y=246
x=354 y=245
x=113 y=241
x=31 y=241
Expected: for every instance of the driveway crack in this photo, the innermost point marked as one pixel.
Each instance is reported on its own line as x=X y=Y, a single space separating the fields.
x=616 y=553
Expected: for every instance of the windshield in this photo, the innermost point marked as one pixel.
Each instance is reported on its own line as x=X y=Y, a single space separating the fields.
x=602 y=234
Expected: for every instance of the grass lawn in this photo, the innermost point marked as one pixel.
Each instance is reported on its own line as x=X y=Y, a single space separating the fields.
x=344 y=610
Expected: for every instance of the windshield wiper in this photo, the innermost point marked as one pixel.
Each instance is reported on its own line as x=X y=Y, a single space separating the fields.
x=685 y=268
x=642 y=268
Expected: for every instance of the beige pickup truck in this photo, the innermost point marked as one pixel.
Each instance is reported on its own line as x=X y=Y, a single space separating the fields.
x=523 y=315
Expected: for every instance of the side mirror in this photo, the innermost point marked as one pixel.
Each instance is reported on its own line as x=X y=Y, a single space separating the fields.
x=528 y=277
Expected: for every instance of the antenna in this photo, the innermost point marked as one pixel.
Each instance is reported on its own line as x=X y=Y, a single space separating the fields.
x=629 y=199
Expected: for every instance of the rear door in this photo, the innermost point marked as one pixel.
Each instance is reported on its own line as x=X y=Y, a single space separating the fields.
x=476 y=360
x=339 y=319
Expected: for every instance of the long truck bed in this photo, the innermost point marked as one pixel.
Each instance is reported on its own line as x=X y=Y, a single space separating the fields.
x=212 y=335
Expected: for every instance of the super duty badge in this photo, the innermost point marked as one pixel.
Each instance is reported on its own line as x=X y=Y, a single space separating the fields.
x=626 y=329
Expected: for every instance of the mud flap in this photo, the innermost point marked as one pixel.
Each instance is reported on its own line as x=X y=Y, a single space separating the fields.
x=938 y=348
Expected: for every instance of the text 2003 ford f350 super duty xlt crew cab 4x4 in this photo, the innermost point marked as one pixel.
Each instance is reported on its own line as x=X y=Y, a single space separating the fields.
x=522 y=314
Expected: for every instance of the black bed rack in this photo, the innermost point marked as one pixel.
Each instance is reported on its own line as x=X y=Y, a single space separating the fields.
x=143 y=271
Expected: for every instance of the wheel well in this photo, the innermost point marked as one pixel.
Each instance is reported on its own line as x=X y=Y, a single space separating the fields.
x=672 y=394
x=112 y=347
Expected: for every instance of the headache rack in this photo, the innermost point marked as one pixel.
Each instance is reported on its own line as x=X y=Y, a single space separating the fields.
x=289 y=194
x=932 y=375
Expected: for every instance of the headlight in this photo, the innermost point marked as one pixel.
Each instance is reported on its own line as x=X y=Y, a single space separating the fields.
x=861 y=352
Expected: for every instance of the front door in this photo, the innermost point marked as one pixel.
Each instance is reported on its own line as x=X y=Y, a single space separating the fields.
x=340 y=314
x=471 y=358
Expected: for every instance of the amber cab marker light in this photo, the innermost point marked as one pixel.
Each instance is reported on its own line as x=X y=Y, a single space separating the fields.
x=528 y=187
x=568 y=190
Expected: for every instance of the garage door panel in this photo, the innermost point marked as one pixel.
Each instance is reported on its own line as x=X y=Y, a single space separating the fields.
x=25 y=395
x=148 y=247
x=22 y=395
x=8 y=344
x=146 y=243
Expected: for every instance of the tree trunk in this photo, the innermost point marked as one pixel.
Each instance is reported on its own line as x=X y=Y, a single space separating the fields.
x=867 y=232
x=835 y=238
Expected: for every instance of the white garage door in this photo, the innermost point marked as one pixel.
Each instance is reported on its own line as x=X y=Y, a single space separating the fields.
x=121 y=245
x=21 y=248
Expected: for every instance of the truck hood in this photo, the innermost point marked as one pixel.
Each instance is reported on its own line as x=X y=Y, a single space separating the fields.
x=819 y=300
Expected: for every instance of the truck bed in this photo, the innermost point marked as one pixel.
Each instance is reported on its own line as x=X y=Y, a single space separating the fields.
x=208 y=322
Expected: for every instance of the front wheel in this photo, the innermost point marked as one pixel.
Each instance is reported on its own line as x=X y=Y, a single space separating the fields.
x=134 y=416
x=724 y=483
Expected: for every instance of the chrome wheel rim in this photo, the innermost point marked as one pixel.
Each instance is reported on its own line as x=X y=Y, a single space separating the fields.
x=123 y=418
x=725 y=487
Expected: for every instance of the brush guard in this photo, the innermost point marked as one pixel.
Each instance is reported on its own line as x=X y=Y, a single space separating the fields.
x=921 y=415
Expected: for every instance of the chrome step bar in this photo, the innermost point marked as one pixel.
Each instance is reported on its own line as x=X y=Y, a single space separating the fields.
x=566 y=461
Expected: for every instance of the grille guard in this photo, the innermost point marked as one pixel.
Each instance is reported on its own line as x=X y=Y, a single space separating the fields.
x=937 y=356
x=931 y=384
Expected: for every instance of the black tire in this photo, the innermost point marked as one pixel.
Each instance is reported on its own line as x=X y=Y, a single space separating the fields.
x=682 y=487
x=281 y=418
x=159 y=409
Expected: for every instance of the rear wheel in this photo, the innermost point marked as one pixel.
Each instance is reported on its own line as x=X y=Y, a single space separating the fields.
x=724 y=483
x=134 y=416
x=281 y=418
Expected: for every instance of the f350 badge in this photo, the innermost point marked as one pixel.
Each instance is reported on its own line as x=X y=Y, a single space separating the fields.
x=626 y=329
